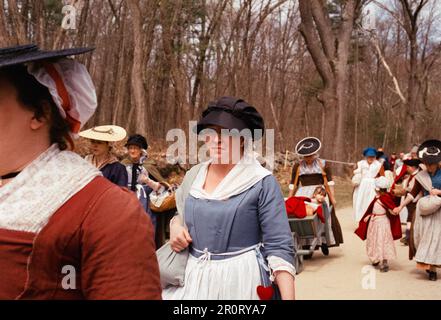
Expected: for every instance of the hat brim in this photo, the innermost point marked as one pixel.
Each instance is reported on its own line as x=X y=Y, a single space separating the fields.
x=430 y=159
x=412 y=162
x=30 y=53
x=105 y=133
x=317 y=145
x=138 y=144
x=222 y=119
x=370 y=154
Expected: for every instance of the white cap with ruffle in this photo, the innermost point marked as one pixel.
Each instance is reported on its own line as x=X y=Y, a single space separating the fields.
x=71 y=88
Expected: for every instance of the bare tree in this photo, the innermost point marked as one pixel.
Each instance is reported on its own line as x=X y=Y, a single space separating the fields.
x=329 y=46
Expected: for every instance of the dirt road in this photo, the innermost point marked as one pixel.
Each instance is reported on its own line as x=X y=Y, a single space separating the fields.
x=341 y=275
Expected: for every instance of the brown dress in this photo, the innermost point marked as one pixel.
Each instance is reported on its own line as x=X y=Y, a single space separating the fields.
x=411 y=209
x=317 y=179
x=101 y=233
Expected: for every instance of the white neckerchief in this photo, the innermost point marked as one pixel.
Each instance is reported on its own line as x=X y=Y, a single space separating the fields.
x=28 y=201
x=245 y=174
x=314 y=168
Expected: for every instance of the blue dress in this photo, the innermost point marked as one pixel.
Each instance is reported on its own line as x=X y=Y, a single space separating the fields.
x=436 y=181
x=257 y=215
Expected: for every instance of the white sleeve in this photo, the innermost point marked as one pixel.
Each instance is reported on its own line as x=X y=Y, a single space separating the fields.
x=279 y=264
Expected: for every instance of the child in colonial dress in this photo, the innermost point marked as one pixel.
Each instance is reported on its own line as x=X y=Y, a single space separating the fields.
x=380 y=227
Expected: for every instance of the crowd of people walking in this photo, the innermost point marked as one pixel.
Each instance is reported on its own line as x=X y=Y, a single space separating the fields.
x=231 y=234
x=412 y=190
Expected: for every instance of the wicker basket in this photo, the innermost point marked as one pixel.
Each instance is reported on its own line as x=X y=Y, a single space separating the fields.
x=168 y=200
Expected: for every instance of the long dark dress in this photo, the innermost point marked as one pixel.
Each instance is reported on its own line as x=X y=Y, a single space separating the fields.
x=116 y=173
x=313 y=179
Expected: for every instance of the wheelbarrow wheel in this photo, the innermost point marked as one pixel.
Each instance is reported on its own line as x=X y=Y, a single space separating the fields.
x=307 y=256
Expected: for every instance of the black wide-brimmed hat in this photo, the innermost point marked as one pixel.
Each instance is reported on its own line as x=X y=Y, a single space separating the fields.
x=308 y=146
x=11 y=56
x=137 y=140
x=412 y=162
x=430 y=151
x=232 y=113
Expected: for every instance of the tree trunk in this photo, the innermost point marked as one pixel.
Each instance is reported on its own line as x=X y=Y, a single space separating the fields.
x=139 y=98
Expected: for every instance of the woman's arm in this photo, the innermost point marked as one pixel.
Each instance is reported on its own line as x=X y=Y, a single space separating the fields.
x=276 y=236
x=331 y=184
x=118 y=257
x=292 y=186
x=144 y=178
x=285 y=282
x=417 y=188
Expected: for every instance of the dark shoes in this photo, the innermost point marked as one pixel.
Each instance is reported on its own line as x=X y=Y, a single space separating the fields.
x=384 y=267
x=404 y=241
x=325 y=249
x=433 y=276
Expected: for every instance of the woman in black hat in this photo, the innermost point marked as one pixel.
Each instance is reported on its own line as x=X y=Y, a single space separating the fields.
x=306 y=175
x=143 y=178
x=237 y=228
x=66 y=232
x=427 y=226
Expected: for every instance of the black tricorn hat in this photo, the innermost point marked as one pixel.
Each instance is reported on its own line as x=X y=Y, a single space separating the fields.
x=430 y=151
x=412 y=162
x=137 y=140
x=11 y=56
x=308 y=146
x=232 y=113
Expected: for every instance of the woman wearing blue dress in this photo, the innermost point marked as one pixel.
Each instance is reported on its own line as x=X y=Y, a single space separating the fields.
x=236 y=224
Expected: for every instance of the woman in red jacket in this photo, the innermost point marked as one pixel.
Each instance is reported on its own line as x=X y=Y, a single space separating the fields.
x=65 y=231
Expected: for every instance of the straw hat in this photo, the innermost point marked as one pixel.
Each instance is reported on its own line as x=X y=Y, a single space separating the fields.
x=107 y=133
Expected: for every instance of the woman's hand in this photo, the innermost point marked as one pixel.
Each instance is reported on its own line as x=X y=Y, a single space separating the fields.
x=397 y=210
x=179 y=236
x=435 y=192
x=143 y=178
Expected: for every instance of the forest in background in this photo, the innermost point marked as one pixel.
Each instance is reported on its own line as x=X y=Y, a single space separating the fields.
x=311 y=67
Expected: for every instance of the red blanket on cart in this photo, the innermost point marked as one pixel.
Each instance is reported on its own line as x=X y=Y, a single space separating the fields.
x=388 y=202
x=296 y=208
